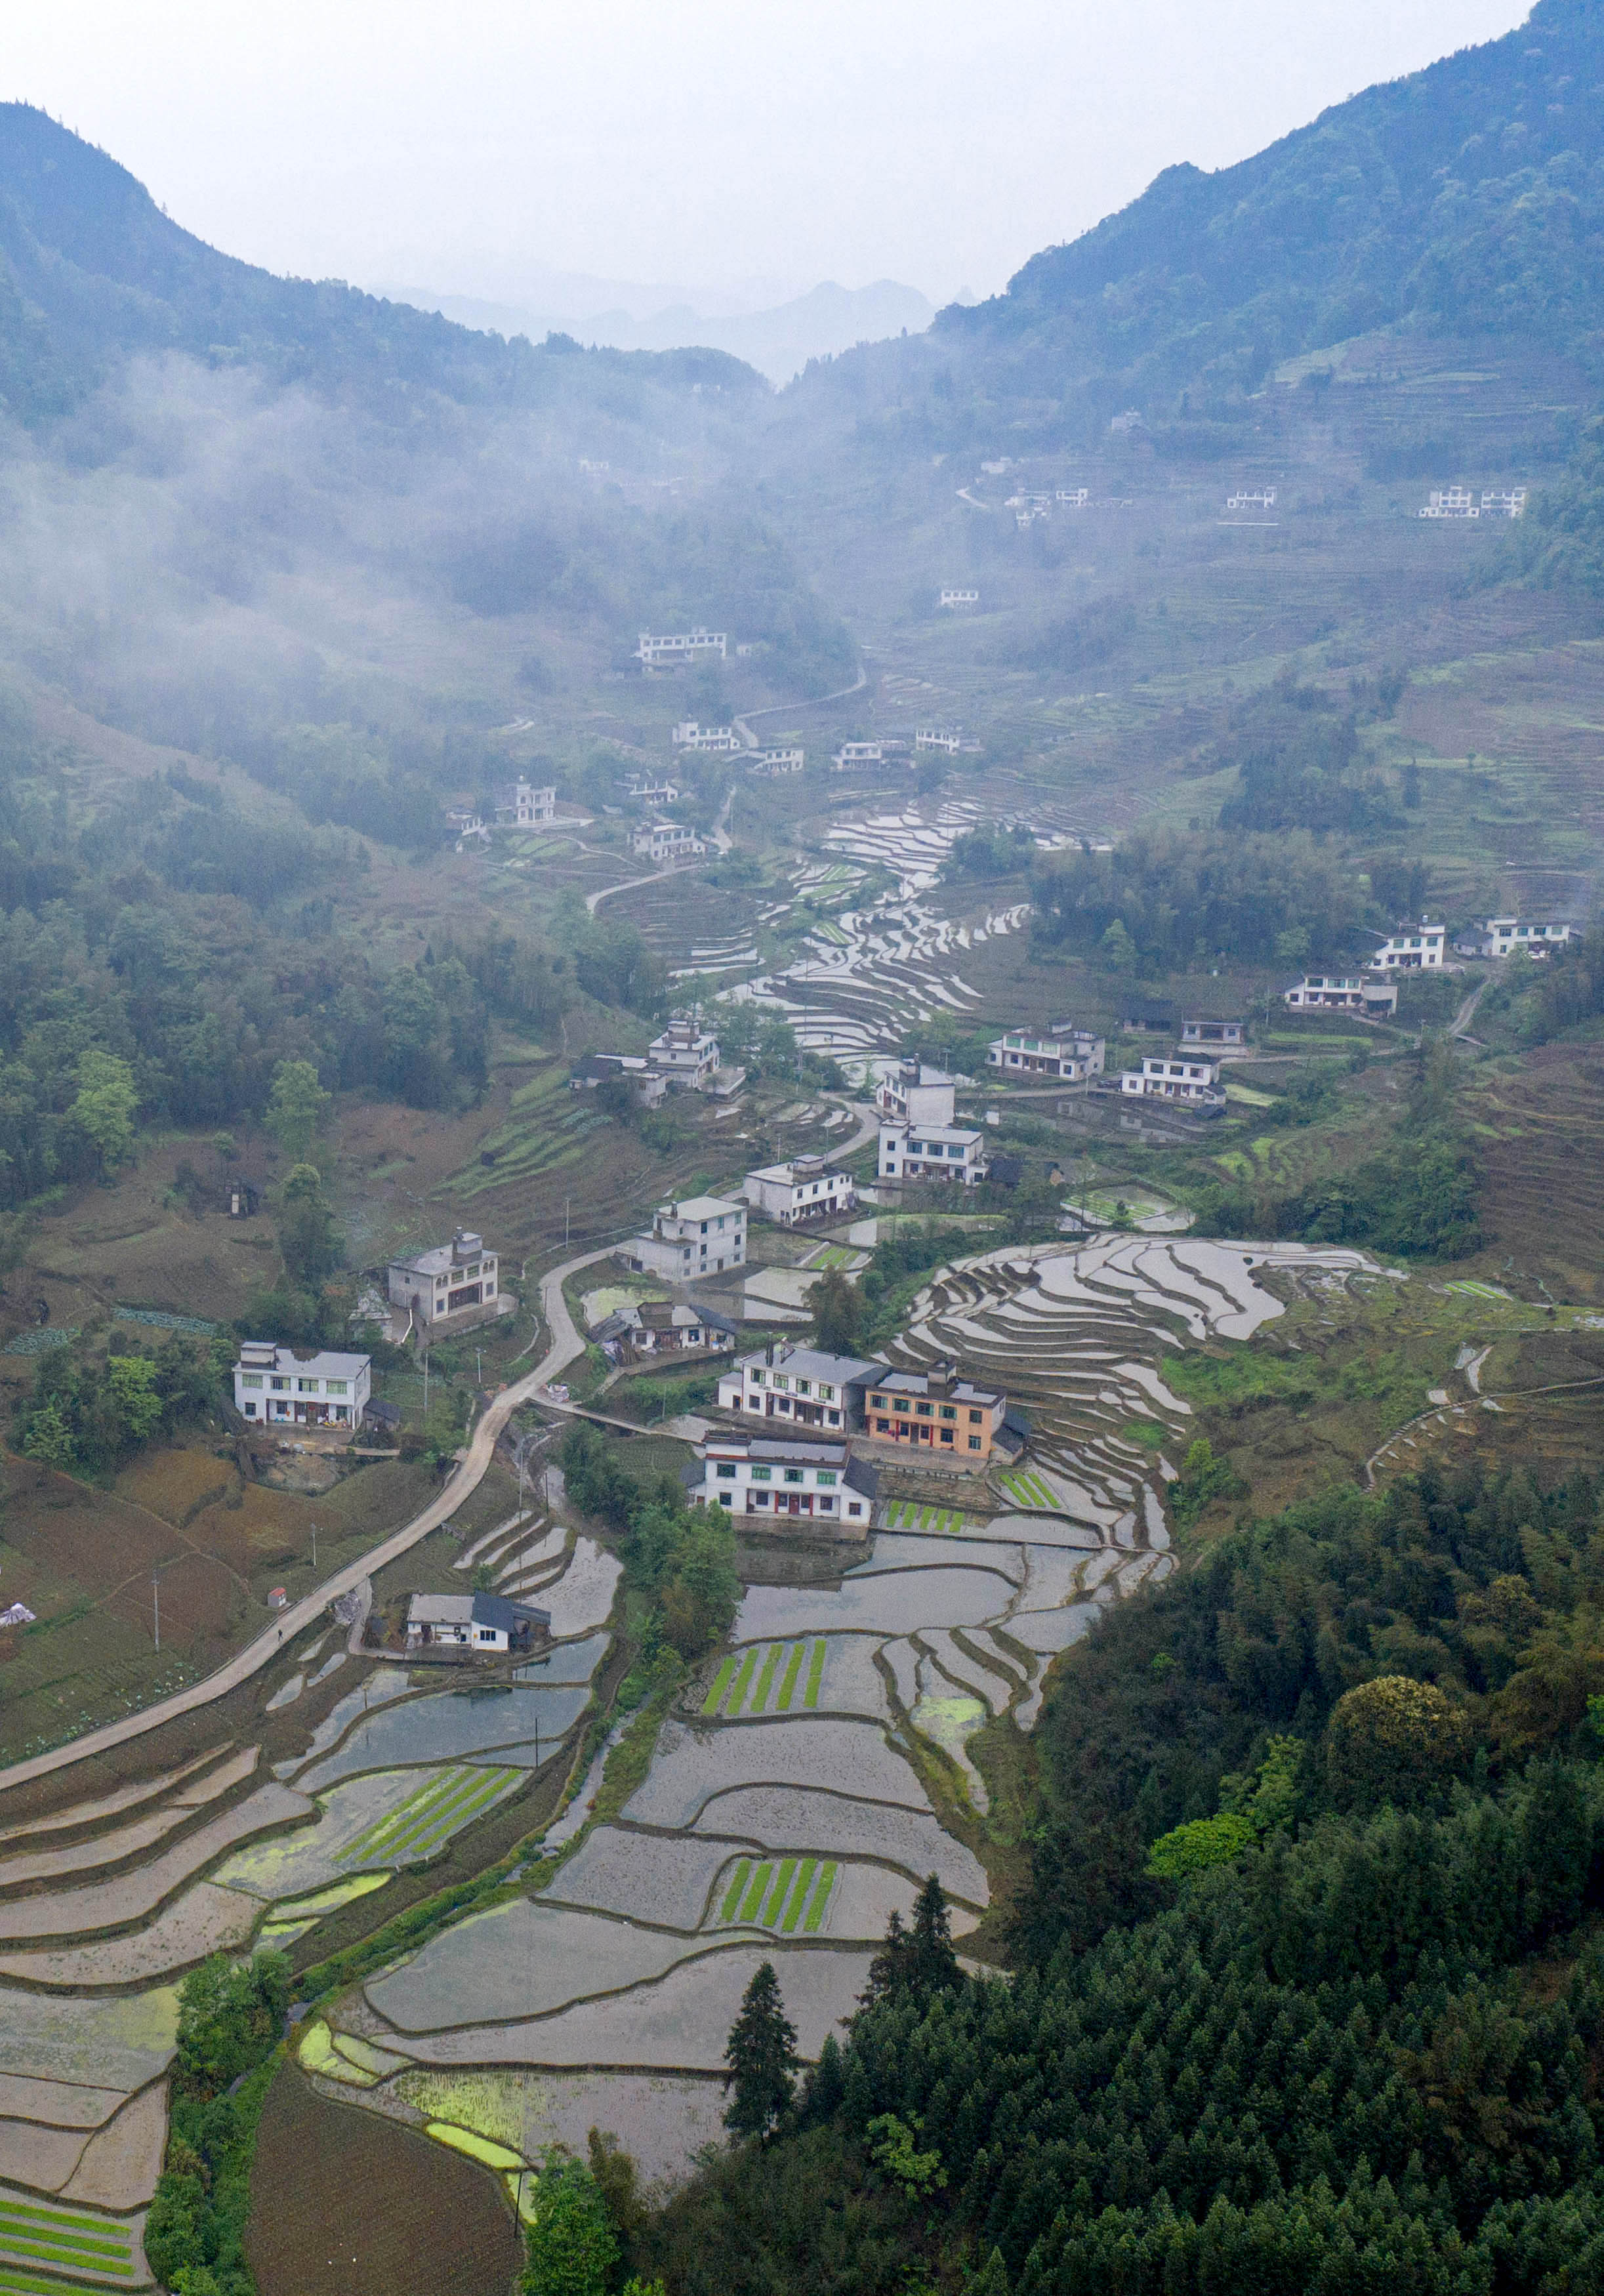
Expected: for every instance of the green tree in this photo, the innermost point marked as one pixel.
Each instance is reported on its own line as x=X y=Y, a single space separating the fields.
x=1394 y=1739
x=296 y=1106
x=49 y=1437
x=1117 y=949
x=132 y=1381
x=762 y=2057
x=933 y=1963
x=307 y=1237
x=838 y=1312
x=571 y=2247
x=105 y=1106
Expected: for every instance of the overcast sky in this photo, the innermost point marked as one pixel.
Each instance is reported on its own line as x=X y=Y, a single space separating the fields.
x=466 y=145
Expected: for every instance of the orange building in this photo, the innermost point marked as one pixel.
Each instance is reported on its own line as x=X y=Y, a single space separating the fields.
x=934 y=1411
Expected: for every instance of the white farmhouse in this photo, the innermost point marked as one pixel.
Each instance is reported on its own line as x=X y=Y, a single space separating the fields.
x=1502 y=936
x=1075 y=497
x=1069 y=1057
x=448 y=1286
x=665 y=843
x=699 y=1237
x=686 y=1054
x=722 y=741
x=487 y=1625
x=852 y=756
x=1407 y=951
x=800 y=1385
x=520 y=805
x=1342 y=992
x=286 y=1387
x=1450 y=502
x=1251 y=498
x=805 y=1188
x=931 y=1151
x=674 y=651
x=645 y=789
x=948 y=738
x=1503 y=502
x=769 y=765
x=1176 y=1076
x=950 y=597
x=787 y=1484
x=1214 y=1032
x=915 y=1093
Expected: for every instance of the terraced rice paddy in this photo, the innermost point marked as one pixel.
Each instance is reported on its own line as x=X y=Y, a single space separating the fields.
x=771 y=1678
x=788 y=1894
x=430 y=1815
x=867 y=976
x=906 y=1514
x=39 y=2234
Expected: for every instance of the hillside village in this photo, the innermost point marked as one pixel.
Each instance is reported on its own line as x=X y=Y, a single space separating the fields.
x=802 y=1231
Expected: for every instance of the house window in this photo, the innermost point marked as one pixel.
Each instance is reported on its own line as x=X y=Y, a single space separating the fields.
x=250 y=1379
x=763 y=1474
x=336 y=1387
x=826 y=1505
x=758 y=1498
x=802 y=1387
x=947 y=1411
x=854 y=1507
x=974 y=1419
x=781 y=1380
x=924 y=1410
x=974 y=1443
x=794 y=1475
x=281 y=1385
x=827 y=1393
x=250 y=1411
x=726 y=1474
x=946 y=1434
x=487 y=1634
x=726 y=1498
x=877 y=1403
x=900 y=1404
x=826 y=1475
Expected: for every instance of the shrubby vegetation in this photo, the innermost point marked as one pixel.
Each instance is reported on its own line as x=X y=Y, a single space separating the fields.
x=230 y=2018
x=89 y=1411
x=1417 y=1196
x=683 y=1557
x=1538 y=1002
x=1307 y=1812
x=1169 y=902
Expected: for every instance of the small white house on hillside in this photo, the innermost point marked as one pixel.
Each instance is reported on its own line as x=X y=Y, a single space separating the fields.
x=312 y=1388
x=806 y=1188
x=701 y=1236
x=1412 y=948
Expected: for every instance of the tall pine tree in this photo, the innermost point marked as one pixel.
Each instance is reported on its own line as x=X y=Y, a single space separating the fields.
x=762 y=2057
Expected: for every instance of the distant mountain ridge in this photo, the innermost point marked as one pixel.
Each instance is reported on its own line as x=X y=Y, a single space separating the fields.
x=91 y=270
x=1469 y=195
x=778 y=342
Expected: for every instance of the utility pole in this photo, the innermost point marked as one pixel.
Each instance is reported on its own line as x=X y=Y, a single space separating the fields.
x=478 y=1366
x=314 y=1550
x=156 y=1602
x=566 y=1200
x=426 y=1391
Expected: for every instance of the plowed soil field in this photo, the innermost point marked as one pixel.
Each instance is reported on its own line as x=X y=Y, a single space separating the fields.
x=347 y=2204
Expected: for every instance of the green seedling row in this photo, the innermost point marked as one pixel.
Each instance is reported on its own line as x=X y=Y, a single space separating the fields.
x=12 y=2211
x=777 y=1895
x=816 y=1676
x=721 y=1683
x=757 y=1891
x=427 y=1816
x=787 y=1687
x=24 y=2283
x=766 y=1679
x=451 y=1821
x=741 y=1681
x=799 y=1896
x=820 y=1898
x=116 y=2263
x=733 y=1895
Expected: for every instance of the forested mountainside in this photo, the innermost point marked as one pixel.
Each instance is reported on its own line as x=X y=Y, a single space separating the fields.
x=1468 y=198
x=1308 y=1994
x=92 y=269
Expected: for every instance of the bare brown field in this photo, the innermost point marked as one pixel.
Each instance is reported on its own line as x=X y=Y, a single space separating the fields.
x=349 y=2204
x=1543 y=1192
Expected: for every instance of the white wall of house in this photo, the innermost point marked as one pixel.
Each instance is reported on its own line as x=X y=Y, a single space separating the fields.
x=931 y=1151
x=1420 y=950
